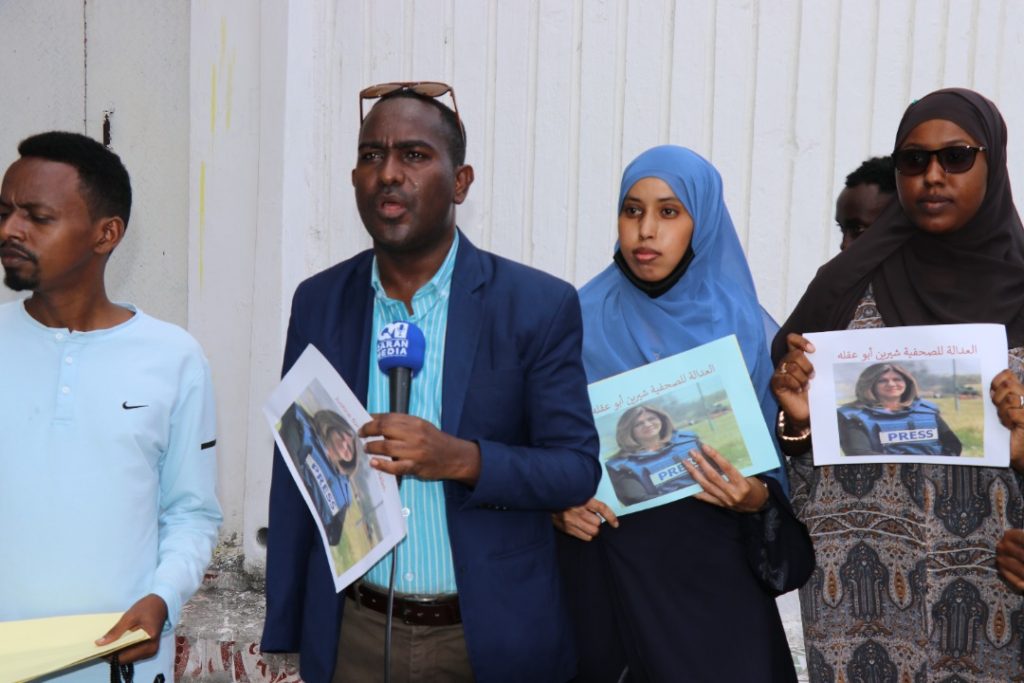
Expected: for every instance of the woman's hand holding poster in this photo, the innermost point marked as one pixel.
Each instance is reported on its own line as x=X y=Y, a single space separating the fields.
x=907 y=394
x=651 y=418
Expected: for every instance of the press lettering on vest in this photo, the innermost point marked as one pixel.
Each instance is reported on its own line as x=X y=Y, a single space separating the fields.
x=670 y=472
x=908 y=435
x=321 y=481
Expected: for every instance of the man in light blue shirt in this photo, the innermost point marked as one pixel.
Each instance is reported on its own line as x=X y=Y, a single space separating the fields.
x=107 y=425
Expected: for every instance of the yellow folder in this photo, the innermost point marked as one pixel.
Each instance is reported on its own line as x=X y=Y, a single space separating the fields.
x=36 y=647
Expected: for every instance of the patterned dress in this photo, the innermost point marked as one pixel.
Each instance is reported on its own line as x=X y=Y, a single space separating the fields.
x=906 y=588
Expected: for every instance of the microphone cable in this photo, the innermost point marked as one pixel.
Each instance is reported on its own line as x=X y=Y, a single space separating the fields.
x=400 y=350
x=388 y=616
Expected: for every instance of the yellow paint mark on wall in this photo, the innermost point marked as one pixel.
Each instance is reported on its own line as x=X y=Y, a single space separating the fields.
x=213 y=98
x=202 y=218
x=229 y=95
x=223 y=38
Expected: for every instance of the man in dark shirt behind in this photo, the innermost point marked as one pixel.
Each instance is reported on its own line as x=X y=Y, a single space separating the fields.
x=868 y=191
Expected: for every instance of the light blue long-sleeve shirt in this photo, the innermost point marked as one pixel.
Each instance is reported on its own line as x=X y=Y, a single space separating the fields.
x=107 y=472
x=425 y=554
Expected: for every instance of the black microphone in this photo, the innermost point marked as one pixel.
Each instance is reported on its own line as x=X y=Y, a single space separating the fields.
x=400 y=349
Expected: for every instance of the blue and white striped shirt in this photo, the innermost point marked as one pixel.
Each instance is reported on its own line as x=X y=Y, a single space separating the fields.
x=425 y=555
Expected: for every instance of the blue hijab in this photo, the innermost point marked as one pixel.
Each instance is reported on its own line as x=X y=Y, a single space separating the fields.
x=624 y=328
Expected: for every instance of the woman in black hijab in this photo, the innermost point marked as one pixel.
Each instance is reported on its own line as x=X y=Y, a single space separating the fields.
x=906 y=587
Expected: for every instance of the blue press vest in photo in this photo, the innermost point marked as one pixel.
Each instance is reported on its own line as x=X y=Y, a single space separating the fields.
x=329 y=490
x=658 y=472
x=911 y=431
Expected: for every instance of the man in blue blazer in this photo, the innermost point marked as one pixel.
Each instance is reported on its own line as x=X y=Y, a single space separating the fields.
x=500 y=435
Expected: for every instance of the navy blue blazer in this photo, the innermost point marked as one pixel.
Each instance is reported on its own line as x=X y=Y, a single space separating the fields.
x=514 y=383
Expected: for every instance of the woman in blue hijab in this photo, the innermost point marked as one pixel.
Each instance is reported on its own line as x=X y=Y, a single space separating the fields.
x=683 y=591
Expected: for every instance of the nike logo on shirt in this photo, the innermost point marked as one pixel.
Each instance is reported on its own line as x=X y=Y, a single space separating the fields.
x=128 y=407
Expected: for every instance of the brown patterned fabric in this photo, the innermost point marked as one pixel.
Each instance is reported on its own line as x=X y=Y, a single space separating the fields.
x=906 y=589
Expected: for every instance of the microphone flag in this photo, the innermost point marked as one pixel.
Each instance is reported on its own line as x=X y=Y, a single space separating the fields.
x=400 y=350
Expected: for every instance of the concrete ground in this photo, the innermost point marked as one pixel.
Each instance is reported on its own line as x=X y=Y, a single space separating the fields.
x=789 y=610
x=218 y=637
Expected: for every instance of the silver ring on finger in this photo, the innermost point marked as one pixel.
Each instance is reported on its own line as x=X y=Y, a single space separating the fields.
x=1021 y=403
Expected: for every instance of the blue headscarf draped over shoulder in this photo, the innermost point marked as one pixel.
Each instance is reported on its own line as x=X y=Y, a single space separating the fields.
x=624 y=328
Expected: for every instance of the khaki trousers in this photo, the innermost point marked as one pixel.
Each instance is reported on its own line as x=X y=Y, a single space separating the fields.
x=419 y=654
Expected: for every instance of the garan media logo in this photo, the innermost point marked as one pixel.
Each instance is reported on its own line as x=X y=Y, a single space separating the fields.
x=399 y=330
x=393 y=340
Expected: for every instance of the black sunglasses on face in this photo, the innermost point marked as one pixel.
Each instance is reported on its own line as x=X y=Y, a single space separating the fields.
x=954 y=159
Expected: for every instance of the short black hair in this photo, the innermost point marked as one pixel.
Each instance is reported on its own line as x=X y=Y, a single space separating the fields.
x=454 y=131
x=103 y=179
x=875 y=171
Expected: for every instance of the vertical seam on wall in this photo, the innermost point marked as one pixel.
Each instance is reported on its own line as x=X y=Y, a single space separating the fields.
x=667 y=69
x=367 y=48
x=834 y=95
x=972 y=43
x=944 y=42
x=575 y=99
x=526 y=236
x=711 y=30
x=620 y=97
x=874 y=77
x=408 y=38
x=794 y=100
x=449 y=42
x=328 y=105
x=492 y=72
x=908 y=70
x=1001 y=38
x=85 y=66
x=254 y=275
x=752 y=102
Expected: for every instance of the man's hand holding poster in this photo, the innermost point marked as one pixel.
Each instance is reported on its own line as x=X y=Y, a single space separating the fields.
x=316 y=419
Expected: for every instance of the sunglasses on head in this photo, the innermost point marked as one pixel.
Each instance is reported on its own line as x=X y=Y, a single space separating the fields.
x=432 y=89
x=953 y=159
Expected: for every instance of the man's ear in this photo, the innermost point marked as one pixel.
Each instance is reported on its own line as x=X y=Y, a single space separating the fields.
x=111 y=232
x=463 y=179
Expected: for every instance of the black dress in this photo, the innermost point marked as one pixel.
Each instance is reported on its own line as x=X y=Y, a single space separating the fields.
x=686 y=592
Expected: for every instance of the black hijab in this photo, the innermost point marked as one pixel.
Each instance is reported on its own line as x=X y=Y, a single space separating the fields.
x=972 y=275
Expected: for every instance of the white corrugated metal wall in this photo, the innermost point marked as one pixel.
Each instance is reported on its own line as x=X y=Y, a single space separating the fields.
x=67 y=65
x=784 y=96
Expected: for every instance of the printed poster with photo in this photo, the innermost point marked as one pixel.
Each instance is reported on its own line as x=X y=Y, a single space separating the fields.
x=908 y=394
x=315 y=419
x=651 y=417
